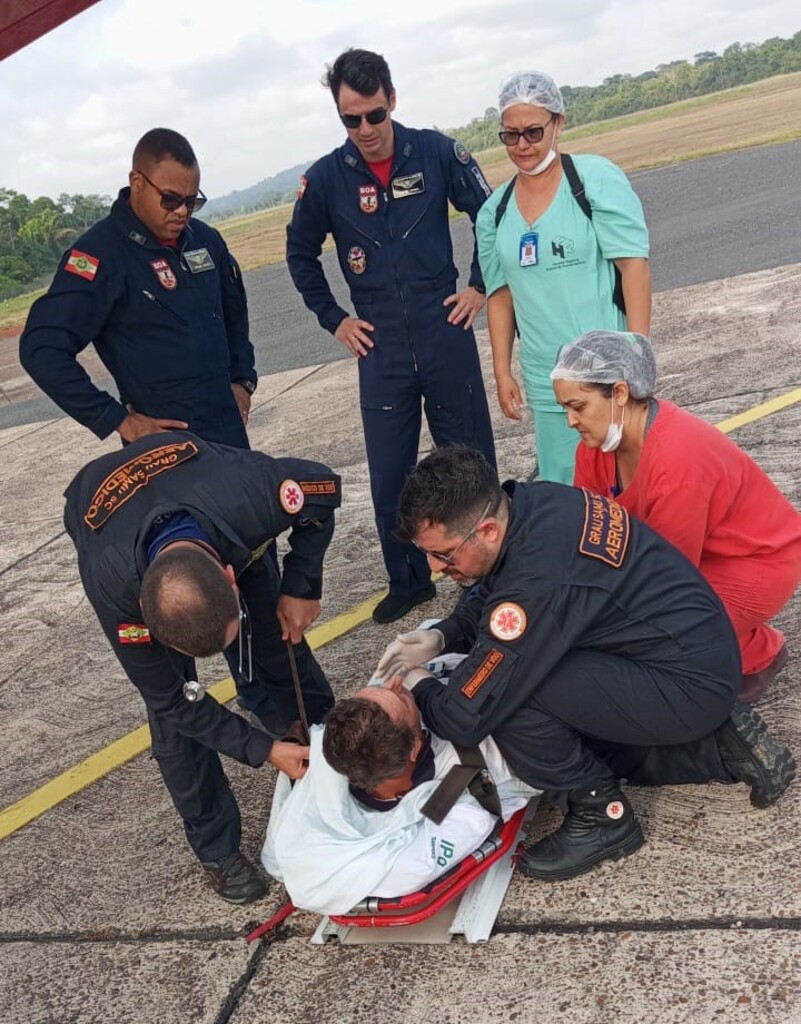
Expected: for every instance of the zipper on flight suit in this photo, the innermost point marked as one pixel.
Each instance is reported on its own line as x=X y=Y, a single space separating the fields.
x=152 y=298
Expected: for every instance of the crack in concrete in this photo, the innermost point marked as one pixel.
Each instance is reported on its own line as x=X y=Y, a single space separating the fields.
x=781 y=924
x=30 y=554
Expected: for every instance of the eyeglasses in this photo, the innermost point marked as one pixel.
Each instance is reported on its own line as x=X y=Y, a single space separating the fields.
x=509 y=137
x=449 y=559
x=376 y=116
x=171 y=201
x=245 y=635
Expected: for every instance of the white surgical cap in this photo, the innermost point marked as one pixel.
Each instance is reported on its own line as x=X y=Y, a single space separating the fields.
x=605 y=357
x=530 y=87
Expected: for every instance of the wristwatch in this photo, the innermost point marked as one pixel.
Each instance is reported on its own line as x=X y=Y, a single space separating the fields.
x=249 y=385
x=480 y=288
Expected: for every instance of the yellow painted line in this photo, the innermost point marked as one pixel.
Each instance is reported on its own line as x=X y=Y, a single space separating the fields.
x=137 y=742
x=760 y=411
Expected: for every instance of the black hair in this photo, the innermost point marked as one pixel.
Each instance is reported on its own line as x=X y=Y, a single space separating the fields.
x=163 y=144
x=450 y=487
x=361 y=70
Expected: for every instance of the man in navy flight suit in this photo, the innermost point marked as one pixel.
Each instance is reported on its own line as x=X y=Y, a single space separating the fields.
x=162 y=300
x=384 y=198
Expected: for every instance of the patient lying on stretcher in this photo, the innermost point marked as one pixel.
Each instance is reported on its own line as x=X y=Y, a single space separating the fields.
x=353 y=826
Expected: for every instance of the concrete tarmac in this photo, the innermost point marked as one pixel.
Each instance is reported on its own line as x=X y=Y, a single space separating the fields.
x=105 y=915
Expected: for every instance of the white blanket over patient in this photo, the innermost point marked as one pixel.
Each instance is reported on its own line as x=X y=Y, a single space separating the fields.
x=330 y=851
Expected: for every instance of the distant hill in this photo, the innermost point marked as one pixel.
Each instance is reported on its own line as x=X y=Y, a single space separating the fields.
x=280 y=188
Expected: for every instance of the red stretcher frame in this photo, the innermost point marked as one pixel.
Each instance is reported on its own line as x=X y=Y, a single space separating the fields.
x=401 y=911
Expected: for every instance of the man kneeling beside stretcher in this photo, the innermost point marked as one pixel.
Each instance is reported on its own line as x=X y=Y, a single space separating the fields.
x=353 y=826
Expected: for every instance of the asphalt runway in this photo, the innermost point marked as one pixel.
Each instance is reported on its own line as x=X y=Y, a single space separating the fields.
x=709 y=219
x=105 y=916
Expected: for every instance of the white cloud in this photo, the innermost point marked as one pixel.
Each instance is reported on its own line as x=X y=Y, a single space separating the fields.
x=241 y=80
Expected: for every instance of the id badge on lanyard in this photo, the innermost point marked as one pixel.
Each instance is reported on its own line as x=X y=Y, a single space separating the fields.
x=528 y=249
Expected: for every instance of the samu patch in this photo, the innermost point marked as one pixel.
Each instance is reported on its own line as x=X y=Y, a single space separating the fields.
x=290 y=495
x=133 y=633
x=82 y=264
x=606 y=531
x=124 y=482
x=482 y=673
x=163 y=272
x=508 y=621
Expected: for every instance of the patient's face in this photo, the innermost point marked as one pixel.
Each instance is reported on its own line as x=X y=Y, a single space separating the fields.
x=400 y=707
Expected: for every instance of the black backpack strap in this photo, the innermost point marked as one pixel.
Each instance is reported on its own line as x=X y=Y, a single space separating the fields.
x=576 y=184
x=500 y=209
x=470 y=775
x=577 y=188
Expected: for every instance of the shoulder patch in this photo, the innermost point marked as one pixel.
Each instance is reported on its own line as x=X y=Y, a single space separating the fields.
x=291 y=497
x=311 y=487
x=82 y=264
x=508 y=621
x=133 y=633
x=606 y=531
x=461 y=153
x=125 y=481
x=482 y=673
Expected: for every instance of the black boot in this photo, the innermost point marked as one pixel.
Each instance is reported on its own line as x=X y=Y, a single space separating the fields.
x=235 y=878
x=751 y=755
x=599 y=824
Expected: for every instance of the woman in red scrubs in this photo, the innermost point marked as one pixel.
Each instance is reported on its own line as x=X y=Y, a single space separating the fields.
x=687 y=481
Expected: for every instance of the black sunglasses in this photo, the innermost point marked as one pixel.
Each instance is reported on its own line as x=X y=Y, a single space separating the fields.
x=510 y=137
x=170 y=201
x=376 y=116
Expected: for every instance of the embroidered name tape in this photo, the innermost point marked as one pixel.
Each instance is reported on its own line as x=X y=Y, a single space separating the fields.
x=482 y=673
x=606 y=531
x=124 y=482
x=310 y=487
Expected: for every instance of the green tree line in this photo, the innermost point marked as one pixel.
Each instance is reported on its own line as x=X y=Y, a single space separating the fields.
x=708 y=72
x=34 y=234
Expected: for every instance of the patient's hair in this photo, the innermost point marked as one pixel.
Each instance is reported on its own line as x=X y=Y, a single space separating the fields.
x=362 y=743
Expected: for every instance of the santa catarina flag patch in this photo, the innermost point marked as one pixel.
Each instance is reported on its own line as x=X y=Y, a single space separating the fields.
x=82 y=264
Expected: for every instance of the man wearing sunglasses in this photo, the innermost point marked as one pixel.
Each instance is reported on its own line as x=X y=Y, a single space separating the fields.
x=172 y=535
x=384 y=197
x=161 y=299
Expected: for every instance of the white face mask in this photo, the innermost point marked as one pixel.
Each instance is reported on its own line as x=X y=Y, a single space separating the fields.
x=614 y=434
x=543 y=165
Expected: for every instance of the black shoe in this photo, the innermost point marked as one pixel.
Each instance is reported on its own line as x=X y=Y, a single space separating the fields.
x=395 y=606
x=599 y=824
x=751 y=755
x=235 y=878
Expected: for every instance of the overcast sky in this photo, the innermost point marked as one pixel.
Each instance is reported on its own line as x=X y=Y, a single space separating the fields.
x=241 y=78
